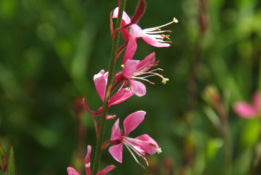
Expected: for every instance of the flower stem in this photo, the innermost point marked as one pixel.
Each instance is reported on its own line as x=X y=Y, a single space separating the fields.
x=108 y=89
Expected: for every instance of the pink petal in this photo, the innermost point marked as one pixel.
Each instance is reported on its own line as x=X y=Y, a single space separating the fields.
x=87 y=160
x=146 y=144
x=130 y=50
x=154 y=42
x=147 y=62
x=72 y=171
x=136 y=31
x=116 y=131
x=245 y=110
x=125 y=20
x=129 y=68
x=257 y=101
x=125 y=16
x=108 y=117
x=138 y=88
x=120 y=96
x=132 y=121
x=106 y=170
x=116 y=152
x=100 y=81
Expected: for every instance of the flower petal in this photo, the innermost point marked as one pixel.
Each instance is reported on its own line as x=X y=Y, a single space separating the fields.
x=245 y=110
x=129 y=68
x=147 y=62
x=136 y=31
x=154 y=42
x=72 y=171
x=146 y=145
x=125 y=16
x=100 y=81
x=108 y=117
x=116 y=131
x=116 y=152
x=132 y=121
x=138 y=88
x=120 y=96
x=87 y=160
x=130 y=50
x=106 y=170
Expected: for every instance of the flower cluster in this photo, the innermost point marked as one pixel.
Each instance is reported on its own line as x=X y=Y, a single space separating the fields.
x=126 y=83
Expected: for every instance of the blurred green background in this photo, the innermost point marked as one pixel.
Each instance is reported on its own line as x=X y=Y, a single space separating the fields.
x=50 y=50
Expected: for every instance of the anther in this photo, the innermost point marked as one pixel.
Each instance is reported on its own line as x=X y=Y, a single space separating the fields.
x=175 y=20
x=88 y=165
x=164 y=80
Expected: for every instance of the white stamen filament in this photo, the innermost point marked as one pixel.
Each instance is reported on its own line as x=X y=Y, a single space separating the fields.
x=149 y=74
x=130 y=147
x=154 y=31
x=142 y=143
x=161 y=26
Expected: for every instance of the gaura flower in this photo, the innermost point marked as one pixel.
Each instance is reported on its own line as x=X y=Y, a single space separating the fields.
x=153 y=36
x=100 y=81
x=142 y=145
x=246 y=110
x=87 y=165
x=138 y=70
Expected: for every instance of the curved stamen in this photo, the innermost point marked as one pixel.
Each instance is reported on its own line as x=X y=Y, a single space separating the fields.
x=144 y=144
x=161 y=26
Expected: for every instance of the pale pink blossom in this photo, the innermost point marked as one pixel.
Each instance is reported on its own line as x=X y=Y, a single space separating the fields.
x=87 y=166
x=138 y=70
x=153 y=36
x=246 y=110
x=100 y=81
x=142 y=145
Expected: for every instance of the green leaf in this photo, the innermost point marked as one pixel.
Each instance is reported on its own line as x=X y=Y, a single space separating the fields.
x=3 y=159
x=11 y=163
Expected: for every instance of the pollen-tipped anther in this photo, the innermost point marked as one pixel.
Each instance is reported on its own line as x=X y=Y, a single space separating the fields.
x=175 y=20
x=164 y=80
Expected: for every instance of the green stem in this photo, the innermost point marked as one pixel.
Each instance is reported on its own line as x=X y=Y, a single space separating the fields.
x=108 y=89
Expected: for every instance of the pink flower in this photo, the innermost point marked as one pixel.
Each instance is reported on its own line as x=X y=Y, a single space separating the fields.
x=87 y=165
x=138 y=70
x=246 y=110
x=100 y=81
x=153 y=36
x=141 y=145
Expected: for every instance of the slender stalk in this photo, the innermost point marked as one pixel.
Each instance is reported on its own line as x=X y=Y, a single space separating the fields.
x=108 y=90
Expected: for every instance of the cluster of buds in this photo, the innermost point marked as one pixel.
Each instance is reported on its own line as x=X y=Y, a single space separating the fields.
x=125 y=84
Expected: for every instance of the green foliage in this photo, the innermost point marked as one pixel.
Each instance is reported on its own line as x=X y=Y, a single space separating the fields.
x=3 y=159
x=11 y=170
x=7 y=166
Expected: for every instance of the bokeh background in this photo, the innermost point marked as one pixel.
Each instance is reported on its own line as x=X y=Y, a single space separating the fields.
x=50 y=50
